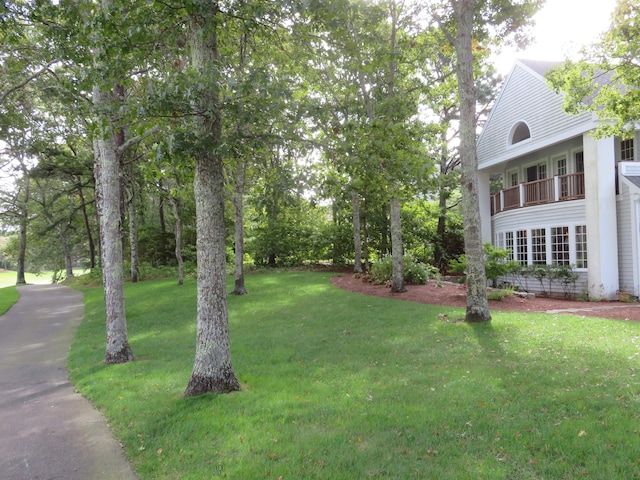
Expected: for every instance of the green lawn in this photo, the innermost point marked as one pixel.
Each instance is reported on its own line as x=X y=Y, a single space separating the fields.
x=8 y=296
x=8 y=277
x=338 y=385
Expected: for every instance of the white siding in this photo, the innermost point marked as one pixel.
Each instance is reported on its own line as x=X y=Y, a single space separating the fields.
x=526 y=97
x=540 y=216
x=570 y=214
x=625 y=246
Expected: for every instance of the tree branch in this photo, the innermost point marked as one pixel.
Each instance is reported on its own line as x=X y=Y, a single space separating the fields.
x=138 y=139
x=40 y=72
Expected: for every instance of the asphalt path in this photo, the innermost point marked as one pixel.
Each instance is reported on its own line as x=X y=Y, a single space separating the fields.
x=47 y=430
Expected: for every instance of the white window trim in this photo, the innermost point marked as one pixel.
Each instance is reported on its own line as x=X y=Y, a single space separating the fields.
x=571 y=163
x=547 y=227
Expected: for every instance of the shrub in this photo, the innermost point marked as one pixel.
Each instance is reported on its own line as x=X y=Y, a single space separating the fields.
x=415 y=273
x=500 y=294
x=497 y=263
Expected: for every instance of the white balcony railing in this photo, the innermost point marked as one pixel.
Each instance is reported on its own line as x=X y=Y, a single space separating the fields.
x=557 y=189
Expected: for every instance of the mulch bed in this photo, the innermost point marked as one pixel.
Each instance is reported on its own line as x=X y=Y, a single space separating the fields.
x=454 y=295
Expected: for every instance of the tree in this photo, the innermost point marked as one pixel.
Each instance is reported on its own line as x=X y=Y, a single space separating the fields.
x=477 y=302
x=212 y=370
x=474 y=27
x=606 y=81
x=108 y=194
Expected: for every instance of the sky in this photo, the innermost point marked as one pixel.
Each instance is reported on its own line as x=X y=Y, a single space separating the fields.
x=562 y=28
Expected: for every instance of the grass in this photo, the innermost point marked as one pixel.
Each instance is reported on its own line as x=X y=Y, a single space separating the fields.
x=8 y=296
x=338 y=385
x=8 y=277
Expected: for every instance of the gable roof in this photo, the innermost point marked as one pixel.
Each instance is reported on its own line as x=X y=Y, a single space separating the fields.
x=540 y=67
x=525 y=97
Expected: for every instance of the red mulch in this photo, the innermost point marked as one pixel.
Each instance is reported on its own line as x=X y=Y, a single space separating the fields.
x=451 y=294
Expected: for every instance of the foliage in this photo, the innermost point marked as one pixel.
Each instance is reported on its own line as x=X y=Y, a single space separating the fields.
x=342 y=386
x=415 y=273
x=606 y=81
x=500 y=294
x=496 y=261
x=420 y=230
x=548 y=275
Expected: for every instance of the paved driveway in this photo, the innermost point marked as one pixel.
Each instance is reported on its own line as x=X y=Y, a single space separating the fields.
x=47 y=430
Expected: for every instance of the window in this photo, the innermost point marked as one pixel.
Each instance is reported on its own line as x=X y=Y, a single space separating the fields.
x=542 y=171
x=581 y=246
x=579 y=158
x=514 y=179
x=560 y=245
x=538 y=246
x=521 y=247
x=537 y=172
x=561 y=166
x=519 y=133
x=626 y=150
x=508 y=243
x=499 y=241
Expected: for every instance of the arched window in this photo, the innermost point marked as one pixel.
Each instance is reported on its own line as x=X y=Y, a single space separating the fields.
x=519 y=132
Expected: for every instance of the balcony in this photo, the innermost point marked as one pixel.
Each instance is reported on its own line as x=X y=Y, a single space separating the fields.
x=549 y=190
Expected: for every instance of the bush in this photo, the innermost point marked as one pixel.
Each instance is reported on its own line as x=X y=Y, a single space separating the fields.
x=415 y=273
x=496 y=263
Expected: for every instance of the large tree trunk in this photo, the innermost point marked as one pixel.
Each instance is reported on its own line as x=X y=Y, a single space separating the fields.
x=477 y=303
x=68 y=254
x=384 y=230
x=87 y=227
x=22 y=252
x=22 y=247
x=397 y=276
x=212 y=369
x=439 y=250
x=365 y=239
x=108 y=202
x=132 y=212
x=238 y=204
x=175 y=204
x=357 y=242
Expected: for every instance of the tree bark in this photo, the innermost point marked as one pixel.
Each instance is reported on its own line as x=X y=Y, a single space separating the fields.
x=175 y=204
x=212 y=369
x=477 y=303
x=132 y=213
x=68 y=254
x=384 y=230
x=22 y=252
x=108 y=202
x=238 y=204
x=397 y=277
x=357 y=242
x=87 y=227
x=22 y=248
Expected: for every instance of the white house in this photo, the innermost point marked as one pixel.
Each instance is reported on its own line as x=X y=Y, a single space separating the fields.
x=566 y=197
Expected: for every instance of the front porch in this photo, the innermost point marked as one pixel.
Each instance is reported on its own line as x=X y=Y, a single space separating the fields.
x=549 y=190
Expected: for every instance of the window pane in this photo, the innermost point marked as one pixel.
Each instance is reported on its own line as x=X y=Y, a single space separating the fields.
x=560 y=245
x=539 y=246
x=521 y=247
x=581 y=246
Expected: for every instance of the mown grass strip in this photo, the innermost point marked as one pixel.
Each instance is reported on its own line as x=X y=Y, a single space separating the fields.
x=342 y=386
x=8 y=296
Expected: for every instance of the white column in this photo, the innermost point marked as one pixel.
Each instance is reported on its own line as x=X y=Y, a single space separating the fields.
x=602 y=225
x=484 y=198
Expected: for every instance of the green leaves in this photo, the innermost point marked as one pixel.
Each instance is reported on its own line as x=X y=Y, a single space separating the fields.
x=607 y=79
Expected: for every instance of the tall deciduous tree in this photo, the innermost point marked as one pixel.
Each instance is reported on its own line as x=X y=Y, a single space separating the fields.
x=477 y=303
x=108 y=194
x=474 y=27
x=212 y=369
